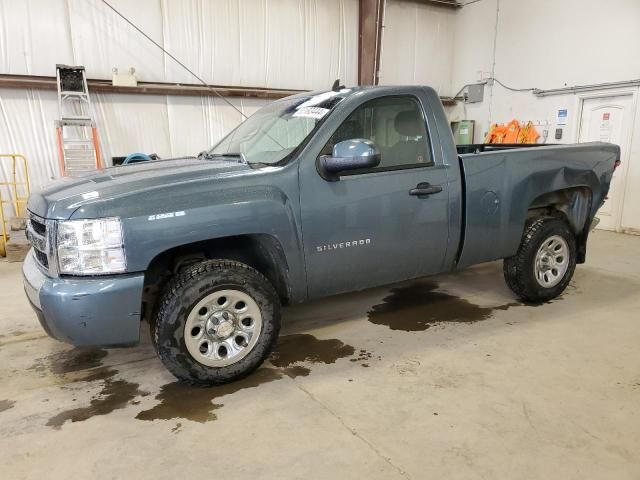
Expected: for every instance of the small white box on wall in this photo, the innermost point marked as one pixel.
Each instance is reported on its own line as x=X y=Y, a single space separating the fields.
x=124 y=79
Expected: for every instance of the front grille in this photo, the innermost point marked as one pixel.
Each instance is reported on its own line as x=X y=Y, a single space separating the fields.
x=42 y=258
x=38 y=227
x=37 y=234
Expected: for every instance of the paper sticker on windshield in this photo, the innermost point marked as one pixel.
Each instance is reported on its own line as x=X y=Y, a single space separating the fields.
x=311 y=112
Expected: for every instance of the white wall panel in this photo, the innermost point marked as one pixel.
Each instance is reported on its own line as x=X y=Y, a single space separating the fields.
x=26 y=127
x=34 y=36
x=572 y=42
x=102 y=40
x=303 y=44
x=331 y=46
x=285 y=44
x=472 y=49
x=417 y=45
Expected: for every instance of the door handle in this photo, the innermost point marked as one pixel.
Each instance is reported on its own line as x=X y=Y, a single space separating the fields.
x=424 y=189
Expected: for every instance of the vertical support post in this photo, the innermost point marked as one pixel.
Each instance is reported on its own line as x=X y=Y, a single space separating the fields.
x=371 y=13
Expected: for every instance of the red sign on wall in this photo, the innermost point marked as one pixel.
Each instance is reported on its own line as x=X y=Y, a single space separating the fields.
x=605 y=116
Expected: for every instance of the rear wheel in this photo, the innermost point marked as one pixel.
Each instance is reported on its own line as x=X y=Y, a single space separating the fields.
x=217 y=322
x=545 y=262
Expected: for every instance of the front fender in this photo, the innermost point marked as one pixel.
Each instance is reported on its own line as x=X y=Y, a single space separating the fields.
x=172 y=219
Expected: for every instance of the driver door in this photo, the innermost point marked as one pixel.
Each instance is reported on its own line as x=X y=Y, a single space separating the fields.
x=367 y=228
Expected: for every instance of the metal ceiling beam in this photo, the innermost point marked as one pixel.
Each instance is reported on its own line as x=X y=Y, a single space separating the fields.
x=147 y=88
x=34 y=82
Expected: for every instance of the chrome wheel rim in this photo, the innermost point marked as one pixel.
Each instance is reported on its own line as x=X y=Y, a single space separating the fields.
x=223 y=328
x=552 y=261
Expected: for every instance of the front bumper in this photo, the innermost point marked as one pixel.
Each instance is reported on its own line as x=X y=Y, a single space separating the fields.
x=97 y=311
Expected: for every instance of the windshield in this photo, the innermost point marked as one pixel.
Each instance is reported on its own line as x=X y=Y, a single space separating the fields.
x=276 y=130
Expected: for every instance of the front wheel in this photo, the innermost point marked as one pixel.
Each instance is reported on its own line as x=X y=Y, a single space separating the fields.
x=217 y=322
x=545 y=262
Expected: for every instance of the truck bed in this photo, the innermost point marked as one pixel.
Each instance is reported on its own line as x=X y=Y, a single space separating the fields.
x=502 y=182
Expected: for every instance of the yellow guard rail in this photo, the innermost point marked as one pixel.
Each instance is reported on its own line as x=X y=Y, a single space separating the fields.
x=19 y=189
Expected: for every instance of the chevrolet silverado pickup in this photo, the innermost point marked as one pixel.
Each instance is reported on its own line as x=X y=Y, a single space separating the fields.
x=315 y=194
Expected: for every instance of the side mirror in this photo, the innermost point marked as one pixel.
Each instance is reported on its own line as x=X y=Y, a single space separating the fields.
x=353 y=154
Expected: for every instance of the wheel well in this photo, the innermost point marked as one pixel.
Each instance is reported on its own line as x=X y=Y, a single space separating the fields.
x=262 y=252
x=573 y=206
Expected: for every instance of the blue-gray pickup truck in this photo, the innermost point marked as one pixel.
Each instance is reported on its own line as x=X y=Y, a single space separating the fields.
x=314 y=195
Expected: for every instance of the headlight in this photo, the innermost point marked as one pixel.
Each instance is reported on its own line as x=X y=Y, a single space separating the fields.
x=91 y=247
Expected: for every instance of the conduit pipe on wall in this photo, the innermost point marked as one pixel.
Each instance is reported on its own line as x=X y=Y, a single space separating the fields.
x=586 y=88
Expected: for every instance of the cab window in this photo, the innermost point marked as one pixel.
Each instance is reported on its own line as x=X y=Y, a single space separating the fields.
x=396 y=125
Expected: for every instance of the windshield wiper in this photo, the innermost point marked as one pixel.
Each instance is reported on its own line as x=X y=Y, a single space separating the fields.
x=212 y=156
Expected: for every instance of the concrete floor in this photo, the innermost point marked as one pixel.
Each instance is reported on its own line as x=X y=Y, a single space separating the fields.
x=446 y=378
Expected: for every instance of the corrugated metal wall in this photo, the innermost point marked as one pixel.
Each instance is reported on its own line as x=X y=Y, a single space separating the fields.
x=260 y=43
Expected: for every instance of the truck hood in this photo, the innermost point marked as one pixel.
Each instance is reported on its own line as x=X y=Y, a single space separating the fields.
x=60 y=199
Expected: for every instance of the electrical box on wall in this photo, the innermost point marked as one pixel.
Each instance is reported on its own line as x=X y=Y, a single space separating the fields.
x=475 y=93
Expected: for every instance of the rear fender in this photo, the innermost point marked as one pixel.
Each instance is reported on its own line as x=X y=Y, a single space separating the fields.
x=573 y=203
x=575 y=206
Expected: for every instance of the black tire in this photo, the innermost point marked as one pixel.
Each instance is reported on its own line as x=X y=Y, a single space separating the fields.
x=519 y=270
x=181 y=296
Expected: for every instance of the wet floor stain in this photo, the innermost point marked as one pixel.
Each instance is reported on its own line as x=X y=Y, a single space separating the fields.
x=292 y=357
x=95 y=375
x=70 y=361
x=412 y=307
x=302 y=347
x=297 y=371
x=6 y=405
x=178 y=400
x=85 y=365
x=419 y=306
x=114 y=395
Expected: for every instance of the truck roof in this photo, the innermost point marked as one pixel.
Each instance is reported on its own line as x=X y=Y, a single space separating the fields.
x=345 y=92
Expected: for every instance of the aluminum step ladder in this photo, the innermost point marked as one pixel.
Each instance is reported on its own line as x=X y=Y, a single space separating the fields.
x=78 y=145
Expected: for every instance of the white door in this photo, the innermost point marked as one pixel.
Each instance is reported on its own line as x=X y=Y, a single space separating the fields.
x=609 y=119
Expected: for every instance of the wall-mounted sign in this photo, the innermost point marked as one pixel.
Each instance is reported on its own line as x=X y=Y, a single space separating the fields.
x=605 y=127
x=562 y=117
